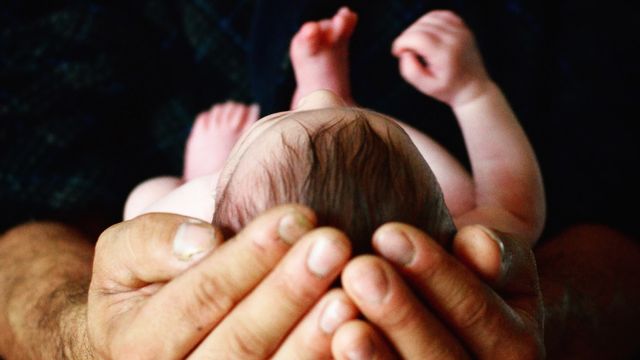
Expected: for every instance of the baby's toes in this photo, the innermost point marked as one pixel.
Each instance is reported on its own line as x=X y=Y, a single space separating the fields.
x=226 y=112
x=307 y=41
x=344 y=23
x=236 y=116
x=252 y=116
x=202 y=127
x=245 y=116
x=201 y=122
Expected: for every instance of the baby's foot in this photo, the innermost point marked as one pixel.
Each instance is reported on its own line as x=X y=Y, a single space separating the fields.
x=320 y=55
x=213 y=135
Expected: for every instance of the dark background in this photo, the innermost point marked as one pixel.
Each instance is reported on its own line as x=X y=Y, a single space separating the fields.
x=96 y=96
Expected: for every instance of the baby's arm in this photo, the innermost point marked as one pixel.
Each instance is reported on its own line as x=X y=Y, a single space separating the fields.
x=454 y=179
x=508 y=193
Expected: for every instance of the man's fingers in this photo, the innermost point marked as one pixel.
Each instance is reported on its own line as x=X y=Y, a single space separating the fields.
x=261 y=321
x=387 y=302
x=311 y=338
x=196 y=301
x=150 y=248
x=478 y=250
x=472 y=310
x=357 y=339
x=507 y=264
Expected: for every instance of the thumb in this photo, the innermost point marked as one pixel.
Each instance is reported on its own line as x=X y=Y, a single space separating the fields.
x=152 y=248
x=507 y=264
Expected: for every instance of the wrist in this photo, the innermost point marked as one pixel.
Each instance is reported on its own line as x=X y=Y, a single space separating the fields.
x=73 y=325
x=472 y=92
x=52 y=325
x=44 y=277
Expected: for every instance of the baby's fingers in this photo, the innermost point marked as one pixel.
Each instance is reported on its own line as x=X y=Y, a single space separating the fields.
x=420 y=42
x=416 y=73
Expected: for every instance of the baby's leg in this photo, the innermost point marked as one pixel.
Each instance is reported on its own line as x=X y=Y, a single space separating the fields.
x=212 y=137
x=320 y=56
x=148 y=192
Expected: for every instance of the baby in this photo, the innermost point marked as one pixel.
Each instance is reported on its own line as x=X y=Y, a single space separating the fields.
x=357 y=168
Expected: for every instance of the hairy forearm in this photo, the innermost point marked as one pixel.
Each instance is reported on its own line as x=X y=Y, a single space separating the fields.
x=590 y=278
x=45 y=269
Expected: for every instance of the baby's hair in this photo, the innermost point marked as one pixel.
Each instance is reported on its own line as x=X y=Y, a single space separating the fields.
x=351 y=176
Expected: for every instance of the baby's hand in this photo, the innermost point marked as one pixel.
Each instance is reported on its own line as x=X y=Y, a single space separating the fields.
x=439 y=57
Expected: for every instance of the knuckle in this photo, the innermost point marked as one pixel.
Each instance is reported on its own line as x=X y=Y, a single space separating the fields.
x=296 y=292
x=401 y=317
x=244 y=343
x=436 y=260
x=470 y=311
x=448 y=14
x=426 y=37
x=528 y=346
x=453 y=41
x=209 y=297
x=107 y=236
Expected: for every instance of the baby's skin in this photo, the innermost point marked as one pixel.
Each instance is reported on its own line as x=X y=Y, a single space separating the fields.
x=438 y=56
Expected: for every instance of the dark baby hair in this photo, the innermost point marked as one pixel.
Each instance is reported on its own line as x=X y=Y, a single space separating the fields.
x=351 y=176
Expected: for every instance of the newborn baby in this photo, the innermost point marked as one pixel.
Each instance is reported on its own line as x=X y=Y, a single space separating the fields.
x=357 y=168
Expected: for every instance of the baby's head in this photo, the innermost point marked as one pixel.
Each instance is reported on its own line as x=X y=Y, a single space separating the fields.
x=355 y=168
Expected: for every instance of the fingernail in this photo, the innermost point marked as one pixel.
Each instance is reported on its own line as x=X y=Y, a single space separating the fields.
x=335 y=314
x=492 y=235
x=292 y=226
x=363 y=351
x=395 y=246
x=371 y=284
x=193 y=239
x=324 y=257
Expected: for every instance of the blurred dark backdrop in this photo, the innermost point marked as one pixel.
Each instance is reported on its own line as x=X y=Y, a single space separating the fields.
x=96 y=96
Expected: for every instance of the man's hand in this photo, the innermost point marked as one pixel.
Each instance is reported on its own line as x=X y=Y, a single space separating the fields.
x=439 y=57
x=452 y=313
x=149 y=300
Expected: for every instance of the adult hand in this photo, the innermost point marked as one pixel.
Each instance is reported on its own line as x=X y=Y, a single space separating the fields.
x=481 y=302
x=159 y=291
